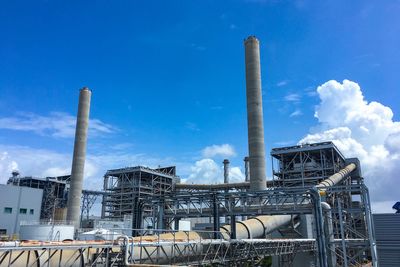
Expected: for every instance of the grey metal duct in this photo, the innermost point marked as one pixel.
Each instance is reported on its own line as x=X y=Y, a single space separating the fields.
x=78 y=160
x=255 y=122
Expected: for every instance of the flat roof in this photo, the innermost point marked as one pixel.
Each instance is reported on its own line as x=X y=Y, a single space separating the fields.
x=142 y=169
x=275 y=152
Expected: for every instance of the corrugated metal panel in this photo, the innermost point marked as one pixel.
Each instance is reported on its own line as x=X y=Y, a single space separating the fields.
x=387 y=235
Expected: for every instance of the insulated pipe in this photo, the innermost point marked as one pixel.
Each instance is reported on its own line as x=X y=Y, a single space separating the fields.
x=242 y=185
x=78 y=160
x=337 y=177
x=255 y=122
x=226 y=171
x=256 y=227
x=163 y=246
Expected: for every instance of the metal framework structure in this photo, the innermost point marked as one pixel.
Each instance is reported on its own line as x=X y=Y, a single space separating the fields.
x=297 y=170
x=89 y=198
x=341 y=223
x=305 y=165
x=296 y=201
x=54 y=192
x=179 y=250
x=351 y=221
x=125 y=188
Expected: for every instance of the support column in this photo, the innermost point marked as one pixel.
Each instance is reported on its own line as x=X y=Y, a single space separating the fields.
x=216 y=217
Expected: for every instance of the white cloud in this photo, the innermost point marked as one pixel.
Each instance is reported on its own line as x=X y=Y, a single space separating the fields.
x=282 y=83
x=236 y=175
x=32 y=162
x=383 y=207
x=7 y=165
x=293 y=97
x=296 y=113
x=57 y=124
x=224 y=150
x=207 y=171
x=361 y=129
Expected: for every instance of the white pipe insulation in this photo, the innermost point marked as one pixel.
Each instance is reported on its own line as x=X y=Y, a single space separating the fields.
x=256 y=227
x=260 y=226
x=337 y=177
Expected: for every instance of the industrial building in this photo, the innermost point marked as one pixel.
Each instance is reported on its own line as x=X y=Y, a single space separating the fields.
x=314 y=212
x=125 y=190
x=54 y=192
x=18 y=204
x=387 y=236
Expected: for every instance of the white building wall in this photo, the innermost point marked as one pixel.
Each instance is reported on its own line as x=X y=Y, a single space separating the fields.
x=18 y=204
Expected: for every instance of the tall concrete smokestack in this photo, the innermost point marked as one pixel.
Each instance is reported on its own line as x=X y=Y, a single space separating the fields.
x=255 y=114
x=226 y=171
x=78 y=160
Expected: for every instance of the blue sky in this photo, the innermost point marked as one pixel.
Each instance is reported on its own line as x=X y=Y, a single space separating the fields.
x=168 y=77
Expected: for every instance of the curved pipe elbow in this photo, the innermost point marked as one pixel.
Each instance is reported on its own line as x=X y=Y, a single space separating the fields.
x=325 y=206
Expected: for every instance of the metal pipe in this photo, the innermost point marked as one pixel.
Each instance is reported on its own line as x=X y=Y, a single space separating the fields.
x=319 y=227
x=255 y=122
x=329 y=238
x=337 y=177
x=78 y=160
x=242 y=185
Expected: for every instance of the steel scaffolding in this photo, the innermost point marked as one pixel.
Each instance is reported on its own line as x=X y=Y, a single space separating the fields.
x=305 y=165
x=54 y=192
x=297 y=170
x=126 y=188
x=88 y=199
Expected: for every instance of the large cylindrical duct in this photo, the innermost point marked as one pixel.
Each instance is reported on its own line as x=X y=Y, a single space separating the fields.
x=78 y=160
x=255 y=122
x=256 y=227
x=337 y=177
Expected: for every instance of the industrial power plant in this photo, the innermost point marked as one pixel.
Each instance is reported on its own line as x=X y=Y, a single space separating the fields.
x=315 y=211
